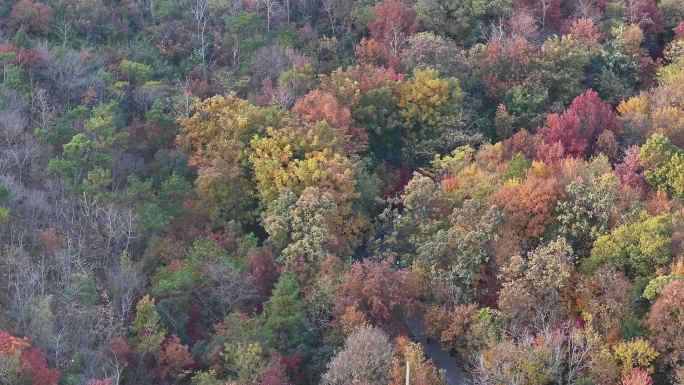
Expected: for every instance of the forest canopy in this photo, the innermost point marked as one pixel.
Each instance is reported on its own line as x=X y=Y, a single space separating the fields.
x=266 y=191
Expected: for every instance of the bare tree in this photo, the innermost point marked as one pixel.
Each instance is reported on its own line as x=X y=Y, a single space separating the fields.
x=396 y=40
x=124 y=281
x=44 y=116
x=228 y=291
x=587 y=9
x=270 y=62
x=25 y=281
x=338 y=13
x=19 y=150
x=273 y=8
x=68 y=76
x=563 y=352
x=200 y=10
x=117 y=225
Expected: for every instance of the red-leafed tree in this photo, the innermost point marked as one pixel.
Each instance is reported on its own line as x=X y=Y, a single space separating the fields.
x=578 y=129
x=549 y=11
x=630 y=171
x=32 y=17
x=294 y=373
x=10 y=344
x=380 y=291
x=679 y=31
x=264 y=270
x=275 y=372
x=34 y=366
x=117 y=352
x=585 y=29
x=373 y=53
x=11 y=349
x=521 y=142
x=176 y=359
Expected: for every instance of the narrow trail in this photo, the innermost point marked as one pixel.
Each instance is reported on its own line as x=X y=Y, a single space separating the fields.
x=441 y=358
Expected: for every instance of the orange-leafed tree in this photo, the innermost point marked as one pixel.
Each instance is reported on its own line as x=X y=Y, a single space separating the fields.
x=319 y=106
x=393 y=22
x=528 y=206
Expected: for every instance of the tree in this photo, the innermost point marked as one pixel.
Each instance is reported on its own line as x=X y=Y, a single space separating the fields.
x=34 y=18
x=644 y=13
x=392 y=24
x=638 y=249
x=365 y=358
x=381 y=292
x=11 y=349
x=636 y=376
x=264 y=270
x=226 y=290
x=36 y=369
x=630 y=171
x=339 y=16
x=176 y=359
x=579 y=127
x=303 y=232
x=525 y=103
x=528 y=207
x=426 y=50
x=534 y=288
x=273 y=8
x=605 y=297
x=455 y=253
x=467 y=330
x=663 y=165
x=284 y=311
x=501 y=66
x=429 y=104
x=148 y=335
x=319 y=106
x=637 y=353
x=371 y=95
x=550 y=12
x=665 y=319
x=673 y=13
x=275 y=372
x=586 y=211
x=218 y=134
x=563 y=64
x=552 y=355
x=245 y=361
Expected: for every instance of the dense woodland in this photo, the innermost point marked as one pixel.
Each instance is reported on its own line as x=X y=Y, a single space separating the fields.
x=262 y=191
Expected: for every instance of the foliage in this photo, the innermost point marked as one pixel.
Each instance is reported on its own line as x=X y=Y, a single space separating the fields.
x=215 y=192
x=148 y=335
x=284 y=311
x=366 y=357
x=637 y=249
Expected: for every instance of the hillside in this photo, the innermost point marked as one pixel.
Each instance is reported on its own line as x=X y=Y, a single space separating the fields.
x=263 y=191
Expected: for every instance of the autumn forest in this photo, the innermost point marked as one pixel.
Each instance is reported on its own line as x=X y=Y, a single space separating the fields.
x=274 y=192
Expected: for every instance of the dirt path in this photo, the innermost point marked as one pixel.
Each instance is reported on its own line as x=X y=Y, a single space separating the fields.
x=440 y=357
